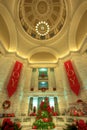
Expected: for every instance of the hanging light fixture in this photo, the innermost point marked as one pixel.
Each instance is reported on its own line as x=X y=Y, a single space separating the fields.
x=42 y=28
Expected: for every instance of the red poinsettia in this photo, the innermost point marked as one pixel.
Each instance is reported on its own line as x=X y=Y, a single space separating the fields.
x=12 y=128
x=82 y=125
x=34 y=127
x=7 y=121
x=7 y=124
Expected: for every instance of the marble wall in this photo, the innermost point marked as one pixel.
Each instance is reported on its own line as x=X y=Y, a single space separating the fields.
x=20 y=100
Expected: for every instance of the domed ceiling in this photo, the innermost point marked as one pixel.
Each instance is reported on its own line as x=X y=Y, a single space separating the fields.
x=43 y=30
x=42 y=19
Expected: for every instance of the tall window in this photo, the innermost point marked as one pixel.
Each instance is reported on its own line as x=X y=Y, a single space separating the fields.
x=43 y=84
x=43 y=72
x=42 y=78
x=35 y=102
x=51 y=101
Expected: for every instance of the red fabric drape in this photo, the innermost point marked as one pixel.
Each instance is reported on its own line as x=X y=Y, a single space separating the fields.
x=13 y=81
x=72 y=78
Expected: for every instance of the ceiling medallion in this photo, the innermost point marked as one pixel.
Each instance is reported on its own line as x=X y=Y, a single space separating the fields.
x=42 y=28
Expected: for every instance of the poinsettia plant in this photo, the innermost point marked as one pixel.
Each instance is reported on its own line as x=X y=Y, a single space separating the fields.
x=77 y=125
x=7 y=124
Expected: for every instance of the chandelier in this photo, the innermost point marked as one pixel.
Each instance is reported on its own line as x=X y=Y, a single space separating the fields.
x=42 y=28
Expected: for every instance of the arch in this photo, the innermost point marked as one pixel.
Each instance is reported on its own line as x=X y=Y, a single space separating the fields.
x=44 y=57
x=84 y=44
x=74 y=26
x=11 y=27
x=2 y=49
x=45 y=49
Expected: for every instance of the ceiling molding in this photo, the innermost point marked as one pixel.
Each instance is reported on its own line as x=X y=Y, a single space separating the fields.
x=74 y=25
x=34 y=41
x=44 y=49
x=11 y=27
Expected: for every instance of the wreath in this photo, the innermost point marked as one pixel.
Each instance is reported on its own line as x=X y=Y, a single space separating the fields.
x=6 y=104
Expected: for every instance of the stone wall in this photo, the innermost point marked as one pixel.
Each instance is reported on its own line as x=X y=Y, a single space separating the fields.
x=20 y=100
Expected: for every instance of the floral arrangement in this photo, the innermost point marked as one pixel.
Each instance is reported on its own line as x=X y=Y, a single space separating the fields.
x=7 y=124
x=44 y=117
x=77 y=125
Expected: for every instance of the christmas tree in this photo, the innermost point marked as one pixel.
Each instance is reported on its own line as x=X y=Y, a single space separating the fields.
x=43 y=119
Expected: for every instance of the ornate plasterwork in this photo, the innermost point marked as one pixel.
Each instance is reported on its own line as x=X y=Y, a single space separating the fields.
x=52 y=12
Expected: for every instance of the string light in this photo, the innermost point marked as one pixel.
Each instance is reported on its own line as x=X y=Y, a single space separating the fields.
x=42 y=28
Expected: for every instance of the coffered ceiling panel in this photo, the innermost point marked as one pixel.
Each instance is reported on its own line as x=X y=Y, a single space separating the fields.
x=42 y=19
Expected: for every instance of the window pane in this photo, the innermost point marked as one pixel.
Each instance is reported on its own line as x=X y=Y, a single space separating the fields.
x=51 y=101
x=43 y=71
x=43 y=84
x=35 y=102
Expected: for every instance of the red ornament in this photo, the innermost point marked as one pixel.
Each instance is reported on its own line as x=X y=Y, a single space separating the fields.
x=34 y=127
x=55 y=113
x=75 y=113
x=45 y=119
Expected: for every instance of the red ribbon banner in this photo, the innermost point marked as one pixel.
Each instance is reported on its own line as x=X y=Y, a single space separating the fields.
x=72 y=78
x=13 y=82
